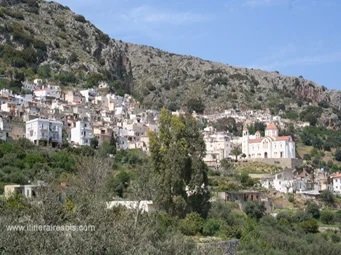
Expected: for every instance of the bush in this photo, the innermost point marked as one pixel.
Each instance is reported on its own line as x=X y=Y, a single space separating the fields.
x=291 y=198
x=309 y=226
x=284 y=217
x=338 y=154
x=327 y=217
x=246 y=180
x=195 y=104
x=306 y=156
x=66 y=77
x=211 y=227
x=254 y=210
x=44 y=71
x=314 y=210
x=328 y=197
x=120 y=182
x=192 y=224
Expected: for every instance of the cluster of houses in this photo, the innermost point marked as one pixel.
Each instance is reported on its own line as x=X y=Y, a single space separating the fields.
x=308 y=183
x=53 y=116
x=49 y=115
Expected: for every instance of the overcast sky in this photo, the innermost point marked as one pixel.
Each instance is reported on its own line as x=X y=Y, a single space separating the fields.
x=294 y=37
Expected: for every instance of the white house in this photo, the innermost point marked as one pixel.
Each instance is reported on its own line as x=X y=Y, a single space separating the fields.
x=3 y=129
x=88 y=94
x=47 y=91
x=217 y=145
x=73 y=97
x=45 y=130
x=143 y=205
x=82 y=133
x=270 y=146
x=28 y=190
x=336 y=181
x=282 y=181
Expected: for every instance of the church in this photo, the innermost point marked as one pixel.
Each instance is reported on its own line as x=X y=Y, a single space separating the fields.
x=269 y=146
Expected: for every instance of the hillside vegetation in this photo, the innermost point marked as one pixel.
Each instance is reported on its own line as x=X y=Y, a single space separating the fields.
x=47 y=40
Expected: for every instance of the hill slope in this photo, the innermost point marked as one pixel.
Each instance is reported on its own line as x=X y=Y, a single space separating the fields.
x=45 y=39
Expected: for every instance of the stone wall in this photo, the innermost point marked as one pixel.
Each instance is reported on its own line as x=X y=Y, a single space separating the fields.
x=281 y=162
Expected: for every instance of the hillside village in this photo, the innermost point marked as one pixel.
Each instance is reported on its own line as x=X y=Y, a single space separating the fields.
x=112 y=147
x=50 y=116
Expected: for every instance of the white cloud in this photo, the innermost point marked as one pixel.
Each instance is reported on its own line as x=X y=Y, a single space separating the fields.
x=150 y=15
x=325 y=58
x=259 y=3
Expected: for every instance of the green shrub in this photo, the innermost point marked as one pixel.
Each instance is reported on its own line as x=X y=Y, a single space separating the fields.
x=211 y=227
x=254 y=210
x=291 y=198
x=327 y=217
x=309 y=226
x=338 y=154
x=66 y=77
x=192 y=224
x=327 y=197
x=195 y=104
x=313 y=209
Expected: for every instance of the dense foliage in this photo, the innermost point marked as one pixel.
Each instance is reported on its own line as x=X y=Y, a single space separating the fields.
x=180 y=173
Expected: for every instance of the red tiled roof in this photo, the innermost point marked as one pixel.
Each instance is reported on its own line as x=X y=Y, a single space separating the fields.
x=283 y=138
x=279 y=138
x=271 y=126
x=336 y=175
x=256 y=140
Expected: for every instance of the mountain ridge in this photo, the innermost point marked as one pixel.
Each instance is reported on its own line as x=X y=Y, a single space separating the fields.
x=68 y=49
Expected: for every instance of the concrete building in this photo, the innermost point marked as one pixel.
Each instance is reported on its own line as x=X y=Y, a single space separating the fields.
x=143 y=205
x=48 y=91
x=28 y=190
x=82 y=133
x=270 y=146
x=44 y=131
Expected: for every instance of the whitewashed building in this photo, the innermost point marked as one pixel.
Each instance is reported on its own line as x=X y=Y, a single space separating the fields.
x=44 y=130
x=336 y=182
x=50 y=91
x=28 y=190
x=3 y=129
x=82 y=133
x=270 y=146
x=144 y=206
x=88 y=94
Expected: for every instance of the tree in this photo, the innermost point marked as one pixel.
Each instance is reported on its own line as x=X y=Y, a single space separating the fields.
x=195 y=104
x=246 y=180
x=338 y=154
x=314 y=210
x=227 y=166
x=94 y=143
x=254 y=210
x=226 y=124
x=211 y=227
x=327 y=217
x=180 y=174
x=192 y=224
x=310 y=226
x=328 y=197
x=236 y=151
